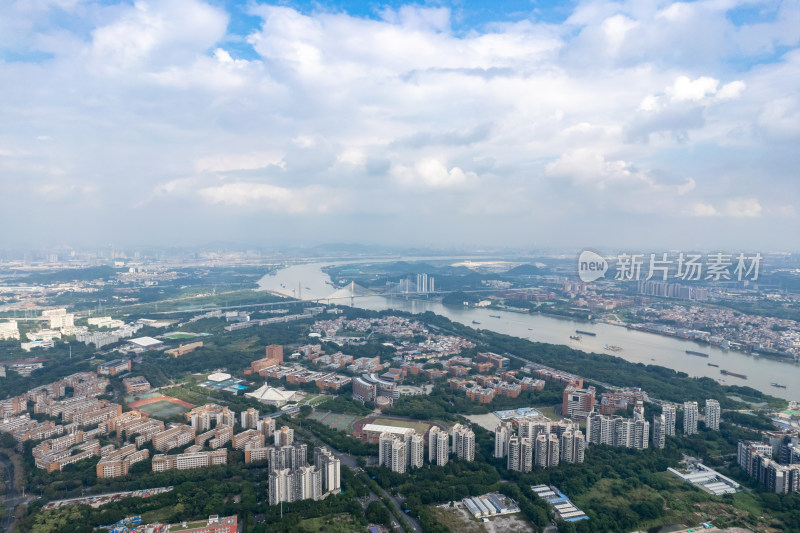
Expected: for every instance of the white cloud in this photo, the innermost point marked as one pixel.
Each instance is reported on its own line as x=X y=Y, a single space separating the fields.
x=681 y=107
x=232 y=162
x=591 y=167
x=164 y=32
x=700 y=209
x=731 y=90
x=733 y=208
x=694 y=90
x=687 y=187
x=780 y=118
x=405 y=113
x=615 y=29
x=743 y=207
x=432 y=173
x=262 y=196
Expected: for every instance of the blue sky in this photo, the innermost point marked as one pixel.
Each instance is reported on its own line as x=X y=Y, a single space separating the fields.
x=514 y=123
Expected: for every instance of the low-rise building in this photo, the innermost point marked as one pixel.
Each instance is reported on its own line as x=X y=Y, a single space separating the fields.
x=174 y=437
x=112 y=368
x=188 y=461
x=118 y=463
x=183 y=349
x=136 y=385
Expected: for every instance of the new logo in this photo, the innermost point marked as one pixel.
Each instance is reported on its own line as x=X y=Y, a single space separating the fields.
x=591 y=266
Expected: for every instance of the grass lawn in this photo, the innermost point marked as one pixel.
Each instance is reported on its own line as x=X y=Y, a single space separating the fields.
x=549 y=412
x=163 y=409
x=338 y=523
x=315 y=399
x=178 y=335
x=747 y=502
x=188 y=395
x=159 y=515
x=189 y=525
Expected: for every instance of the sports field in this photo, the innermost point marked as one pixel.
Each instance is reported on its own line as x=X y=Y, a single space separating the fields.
x=162 y=406
x=130 y=399
x=176 y=335
x=419 y=427
x=336 y=421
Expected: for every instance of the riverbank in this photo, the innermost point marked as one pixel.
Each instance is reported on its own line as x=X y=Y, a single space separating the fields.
x=638 y=346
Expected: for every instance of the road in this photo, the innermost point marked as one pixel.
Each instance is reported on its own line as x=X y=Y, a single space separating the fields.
x=11 y=492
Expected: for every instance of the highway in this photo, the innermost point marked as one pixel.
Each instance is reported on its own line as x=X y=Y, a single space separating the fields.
x=11 y=492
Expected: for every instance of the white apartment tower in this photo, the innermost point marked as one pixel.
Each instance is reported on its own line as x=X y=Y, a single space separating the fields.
x=284 y=436
x=501 y=436
x=641 y=434
x=392 y=453
x=463 y=442
x=532 y=426
x=417 y=451
x=659 y=431
x=712 y=414
x=526 y=451
x=330 y=467
x=438 y=446
x=442 y=448
x=690 y=418
x=513 y=453
x=573 y=446
x=669 y=413
x=249 y=419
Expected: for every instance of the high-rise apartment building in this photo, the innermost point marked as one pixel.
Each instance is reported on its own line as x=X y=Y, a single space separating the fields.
x=641 y=434
x=292 y=456
x=438 y=446
x=249 y=419
x=291 y=478
x=617 y=431
x=670 y=416
x=532 y=426
x=416 y=451
x=330 y=467
x=712 y=414
x=501 y=435
x=573 y=446
x=463 y=442
x=284 y=436
x=659 y=431
x=514 y=451
x=690 y=413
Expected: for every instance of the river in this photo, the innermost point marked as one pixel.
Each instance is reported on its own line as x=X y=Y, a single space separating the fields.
x=637 y=346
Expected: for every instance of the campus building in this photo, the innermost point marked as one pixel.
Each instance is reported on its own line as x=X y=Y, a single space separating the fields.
x=188 y=461
x=577 y=401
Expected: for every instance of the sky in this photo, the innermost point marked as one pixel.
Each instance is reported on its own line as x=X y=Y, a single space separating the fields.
x=466 y=123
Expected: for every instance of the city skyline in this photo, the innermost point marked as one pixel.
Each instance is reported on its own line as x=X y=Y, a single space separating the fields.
x=185 y=122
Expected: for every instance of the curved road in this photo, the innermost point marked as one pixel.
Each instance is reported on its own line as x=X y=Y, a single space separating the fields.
x=11 y=492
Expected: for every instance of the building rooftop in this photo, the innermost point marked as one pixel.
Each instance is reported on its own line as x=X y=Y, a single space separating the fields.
x=145 y=342
x=377 y=428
